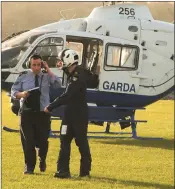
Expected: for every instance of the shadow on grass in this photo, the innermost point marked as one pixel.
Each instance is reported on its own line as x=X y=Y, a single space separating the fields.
x=131 y=183
x=164 y=144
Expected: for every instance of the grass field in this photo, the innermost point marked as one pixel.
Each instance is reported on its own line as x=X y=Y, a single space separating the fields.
x=117 y=163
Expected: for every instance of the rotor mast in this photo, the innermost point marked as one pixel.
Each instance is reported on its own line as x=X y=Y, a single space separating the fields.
x=111 y=3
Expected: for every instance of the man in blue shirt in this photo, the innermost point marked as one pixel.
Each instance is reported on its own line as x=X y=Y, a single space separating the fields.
x=35 y=123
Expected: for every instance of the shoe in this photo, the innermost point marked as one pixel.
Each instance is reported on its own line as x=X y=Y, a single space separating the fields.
x=28 y=170
x=42 y=166
x=62 y=175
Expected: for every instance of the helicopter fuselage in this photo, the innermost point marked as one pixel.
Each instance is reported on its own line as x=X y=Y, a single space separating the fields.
x=132 y=53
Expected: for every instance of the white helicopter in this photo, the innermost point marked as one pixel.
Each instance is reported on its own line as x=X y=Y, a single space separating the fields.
x=132 y=54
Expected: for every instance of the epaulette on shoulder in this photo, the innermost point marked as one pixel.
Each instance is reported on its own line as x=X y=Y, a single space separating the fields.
x=22 y=73
x=76 y=73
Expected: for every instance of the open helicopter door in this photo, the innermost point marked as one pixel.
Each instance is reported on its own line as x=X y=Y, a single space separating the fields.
x=121 y=72
x=89 y=49
x=48 y=46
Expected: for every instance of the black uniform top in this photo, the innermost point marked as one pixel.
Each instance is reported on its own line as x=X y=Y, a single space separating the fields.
x=75 y=94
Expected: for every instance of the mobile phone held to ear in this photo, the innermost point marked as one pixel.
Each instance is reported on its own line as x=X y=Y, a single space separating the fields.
x=43 y=67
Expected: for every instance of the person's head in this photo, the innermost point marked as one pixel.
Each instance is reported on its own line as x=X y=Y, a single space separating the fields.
x=69 y=59
x=35 y=63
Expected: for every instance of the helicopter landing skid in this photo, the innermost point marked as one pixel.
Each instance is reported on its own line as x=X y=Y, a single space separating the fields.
x=124 y=115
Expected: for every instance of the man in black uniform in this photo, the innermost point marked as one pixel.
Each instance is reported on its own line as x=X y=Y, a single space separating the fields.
x=75 y=120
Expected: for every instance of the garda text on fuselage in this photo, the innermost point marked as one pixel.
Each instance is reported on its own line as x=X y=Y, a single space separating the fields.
x=120 y=87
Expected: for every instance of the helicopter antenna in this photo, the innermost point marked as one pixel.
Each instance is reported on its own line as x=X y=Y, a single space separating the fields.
x=110 y=3
x=64 y=17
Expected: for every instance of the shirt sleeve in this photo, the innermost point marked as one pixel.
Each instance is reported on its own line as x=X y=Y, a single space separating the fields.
x=55 y=81
x=16 y=87
x=72 y=89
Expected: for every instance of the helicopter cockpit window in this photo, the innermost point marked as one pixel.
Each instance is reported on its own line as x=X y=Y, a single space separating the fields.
x=22 y=40
x=14 y=48
x=49 y=49
x=120 y=57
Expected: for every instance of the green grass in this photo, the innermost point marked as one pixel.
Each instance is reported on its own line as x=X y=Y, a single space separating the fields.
x=117 y=163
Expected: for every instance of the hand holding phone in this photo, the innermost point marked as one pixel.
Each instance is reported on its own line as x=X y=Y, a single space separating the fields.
x=45 y=65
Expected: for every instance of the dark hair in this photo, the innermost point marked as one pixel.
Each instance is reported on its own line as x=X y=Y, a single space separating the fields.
x=36 y=56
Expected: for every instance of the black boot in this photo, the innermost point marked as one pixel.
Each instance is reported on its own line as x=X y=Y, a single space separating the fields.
x=59 y=174
x=28 y=170
x=85 y=174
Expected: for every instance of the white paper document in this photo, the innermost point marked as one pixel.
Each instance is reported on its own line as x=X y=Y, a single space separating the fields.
x=35 y=88
x=64 y=129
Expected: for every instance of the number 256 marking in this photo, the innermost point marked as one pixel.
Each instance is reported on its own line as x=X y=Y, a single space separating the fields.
x=126 y=11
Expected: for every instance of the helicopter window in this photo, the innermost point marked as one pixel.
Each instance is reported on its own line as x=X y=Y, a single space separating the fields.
x=22 y=40
x=127 y=57
x=49 y=49
x=120 y=57
x=9 y=57
x=113 y=56
x=17 y=46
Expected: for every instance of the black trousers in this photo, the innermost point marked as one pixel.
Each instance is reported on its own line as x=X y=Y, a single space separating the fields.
x=76 y=128
x=34 y=130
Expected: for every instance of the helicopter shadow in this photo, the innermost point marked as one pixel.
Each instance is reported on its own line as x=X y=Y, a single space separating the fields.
x=167 y=144
x=132 y=183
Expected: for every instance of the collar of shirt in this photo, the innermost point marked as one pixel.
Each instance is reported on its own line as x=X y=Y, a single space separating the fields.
x=39 y=74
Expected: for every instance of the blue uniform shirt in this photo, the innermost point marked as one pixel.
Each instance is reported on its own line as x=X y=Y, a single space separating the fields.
x=26 y=81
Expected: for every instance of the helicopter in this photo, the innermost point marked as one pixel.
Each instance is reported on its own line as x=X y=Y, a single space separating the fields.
x=131 y=53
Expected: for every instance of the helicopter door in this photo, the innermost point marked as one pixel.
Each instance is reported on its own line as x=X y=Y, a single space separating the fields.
x=48 y=46
x=121 y=67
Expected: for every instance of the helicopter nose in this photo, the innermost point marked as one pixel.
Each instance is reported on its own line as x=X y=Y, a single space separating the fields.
x=5 y=85
x=4 y=75
x=9 y=53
